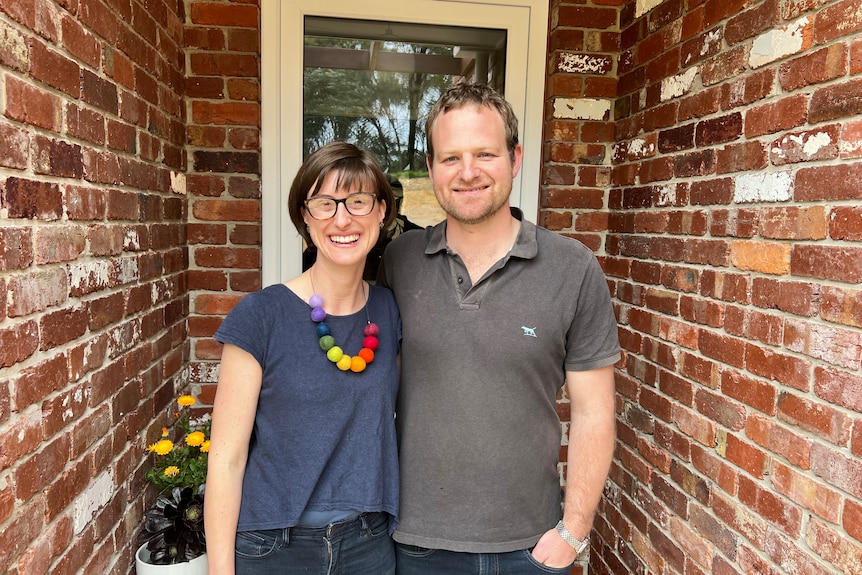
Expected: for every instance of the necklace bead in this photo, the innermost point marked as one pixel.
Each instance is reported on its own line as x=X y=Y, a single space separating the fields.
x=334 y=353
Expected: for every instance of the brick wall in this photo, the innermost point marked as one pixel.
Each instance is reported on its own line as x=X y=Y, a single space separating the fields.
x=93 y=272
x=709 y=151
x=732 y=249
x=223 y=106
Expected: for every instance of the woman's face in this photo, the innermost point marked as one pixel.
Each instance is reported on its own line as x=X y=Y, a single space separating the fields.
x=345 y=239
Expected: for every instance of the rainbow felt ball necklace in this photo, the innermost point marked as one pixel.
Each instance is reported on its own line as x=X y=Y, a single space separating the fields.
x=334 y=353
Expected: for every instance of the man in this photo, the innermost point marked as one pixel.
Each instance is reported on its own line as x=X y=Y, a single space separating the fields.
x=497 y=315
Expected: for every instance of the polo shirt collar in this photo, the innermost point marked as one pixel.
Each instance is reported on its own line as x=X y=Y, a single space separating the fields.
x=526 y=247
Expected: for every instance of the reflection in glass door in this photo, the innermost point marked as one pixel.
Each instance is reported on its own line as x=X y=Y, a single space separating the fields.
x=373 y=82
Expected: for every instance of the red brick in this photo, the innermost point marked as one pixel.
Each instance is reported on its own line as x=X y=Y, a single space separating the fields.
x=843 y=554
x=840 y=19
x=717 y=10
x=778 y=116
x=789 y=370
x=835 y=182
x=748 y=23
x=755 y=393
x=771 y=434
x=818 y=418
x=749 y=457
x=712 y=192
x=748 y=89
x=840 y=347
x=842 y=264
x=838 y=387
x=797 y=297
x=735 y=223
x=213 y=14
x=720 y=409
x=838 y=470
x=718 y=130
x=699 y=104
x=845 y=223
x=836 y=101
x=806 y=146
x=851 y=519
x=793 y=223
x=850 y=144
x=32 y=105
x=771 y=507
x=221 y=113
x=842 y=306
x=814 y=68
x=701 y=311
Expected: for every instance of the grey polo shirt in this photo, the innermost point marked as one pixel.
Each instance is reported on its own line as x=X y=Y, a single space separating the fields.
x=479 y=436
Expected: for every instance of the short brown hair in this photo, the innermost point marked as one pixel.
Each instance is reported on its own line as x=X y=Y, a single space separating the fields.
x=352 y=164
x=464 y=93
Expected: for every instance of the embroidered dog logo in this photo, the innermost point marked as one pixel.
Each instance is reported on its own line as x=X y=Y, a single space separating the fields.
x=529 y=331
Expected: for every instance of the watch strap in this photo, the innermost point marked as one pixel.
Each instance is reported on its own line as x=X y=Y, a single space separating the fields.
x=577 y=544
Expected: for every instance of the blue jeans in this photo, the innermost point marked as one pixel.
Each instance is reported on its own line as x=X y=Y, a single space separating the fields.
x=413 y=560
x=360 y=545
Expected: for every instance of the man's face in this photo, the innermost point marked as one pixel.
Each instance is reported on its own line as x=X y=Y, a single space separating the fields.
x=471 y=170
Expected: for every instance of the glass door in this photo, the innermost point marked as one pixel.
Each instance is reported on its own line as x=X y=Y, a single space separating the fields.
x=372 y=83
x=367 y=72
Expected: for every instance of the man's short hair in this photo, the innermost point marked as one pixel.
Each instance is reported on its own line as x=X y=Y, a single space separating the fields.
x=465 y=93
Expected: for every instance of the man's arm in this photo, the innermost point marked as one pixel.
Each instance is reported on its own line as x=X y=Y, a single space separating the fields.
x=591 y=447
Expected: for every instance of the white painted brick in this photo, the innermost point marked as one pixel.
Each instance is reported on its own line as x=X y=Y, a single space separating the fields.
x=644 y=6
x=678 y=85
x=778 y=43
x=178 y=183
x=763 y=187
x=582 y=108
x=666 y=195
x=583 y=63
x=97 y=495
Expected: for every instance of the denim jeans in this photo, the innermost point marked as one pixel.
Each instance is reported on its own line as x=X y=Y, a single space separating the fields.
x=360 y=545
x=413 y=560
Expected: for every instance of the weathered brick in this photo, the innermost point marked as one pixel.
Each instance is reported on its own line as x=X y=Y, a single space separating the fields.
x=773 y=117
x=718 y=130
x=807 y=146
x=836 y=101
x=780 y=439
x=743 y=156
x=838 y=20
x=794 y=222
x=841 y=347
x=829 y=182
x=841 y=305
x=746 y=24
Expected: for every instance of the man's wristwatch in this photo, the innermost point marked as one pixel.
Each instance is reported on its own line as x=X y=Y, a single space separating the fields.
x=577 y=544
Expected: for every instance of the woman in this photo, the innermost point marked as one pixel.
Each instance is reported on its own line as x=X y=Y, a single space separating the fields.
x=303 y=474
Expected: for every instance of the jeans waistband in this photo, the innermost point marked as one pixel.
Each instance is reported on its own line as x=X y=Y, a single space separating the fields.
x=349 y=525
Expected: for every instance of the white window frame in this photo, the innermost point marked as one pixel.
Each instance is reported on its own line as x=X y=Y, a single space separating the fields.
x=526 y=23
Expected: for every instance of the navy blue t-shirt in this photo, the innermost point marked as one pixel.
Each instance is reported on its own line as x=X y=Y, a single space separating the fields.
x=323 y=439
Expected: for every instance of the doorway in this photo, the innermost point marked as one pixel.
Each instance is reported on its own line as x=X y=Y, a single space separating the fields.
x=309 y=47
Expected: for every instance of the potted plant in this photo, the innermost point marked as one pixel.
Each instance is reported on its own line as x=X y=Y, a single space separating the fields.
x=172 y=540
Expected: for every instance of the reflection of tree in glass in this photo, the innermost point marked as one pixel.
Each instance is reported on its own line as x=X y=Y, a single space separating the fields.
x=378 y=110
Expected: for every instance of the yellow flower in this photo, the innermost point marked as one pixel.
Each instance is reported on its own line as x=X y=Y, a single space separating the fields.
x=195 y=438
x=171 y=470
x=185 y=400
x=162 y=447
x=205 y=446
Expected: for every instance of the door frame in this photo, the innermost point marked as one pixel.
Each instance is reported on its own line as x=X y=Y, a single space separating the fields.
x=526 y=22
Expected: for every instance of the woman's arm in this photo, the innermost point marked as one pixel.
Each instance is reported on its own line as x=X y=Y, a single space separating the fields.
x=234 y=409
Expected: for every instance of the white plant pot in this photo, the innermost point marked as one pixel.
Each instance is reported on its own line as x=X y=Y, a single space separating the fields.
x=197 y=566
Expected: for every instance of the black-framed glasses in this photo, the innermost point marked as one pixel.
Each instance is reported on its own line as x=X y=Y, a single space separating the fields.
x=358 y=204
